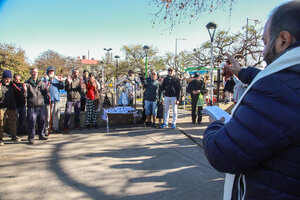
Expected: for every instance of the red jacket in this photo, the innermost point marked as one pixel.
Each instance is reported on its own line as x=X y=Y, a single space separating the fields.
x=91 y=90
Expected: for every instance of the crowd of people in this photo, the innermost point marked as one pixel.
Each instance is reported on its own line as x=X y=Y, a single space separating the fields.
x=163 y=93
x=259 y=148
x=33 y=107
x=36 y=102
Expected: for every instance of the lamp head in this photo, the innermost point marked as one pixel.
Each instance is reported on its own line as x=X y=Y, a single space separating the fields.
x=146 y=48
x=211 y=25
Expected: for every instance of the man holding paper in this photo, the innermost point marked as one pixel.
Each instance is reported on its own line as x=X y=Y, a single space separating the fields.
x=260 y=145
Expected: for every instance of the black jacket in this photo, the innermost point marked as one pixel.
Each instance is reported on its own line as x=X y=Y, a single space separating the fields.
x=8 y=99
x=171 y=86
x=196 y=85
x=36 y=92
x=19 y=93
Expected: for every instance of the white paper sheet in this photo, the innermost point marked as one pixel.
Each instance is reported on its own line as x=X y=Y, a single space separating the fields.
x=216 y=113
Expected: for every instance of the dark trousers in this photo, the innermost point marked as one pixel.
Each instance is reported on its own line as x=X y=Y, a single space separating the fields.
x=35 y=115
x=22 y=119
x=68 y=111
x=82 y=103
x=194 y=107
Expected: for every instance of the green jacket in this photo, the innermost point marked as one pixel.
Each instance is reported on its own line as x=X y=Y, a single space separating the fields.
x=74 y=90
x=151 y=92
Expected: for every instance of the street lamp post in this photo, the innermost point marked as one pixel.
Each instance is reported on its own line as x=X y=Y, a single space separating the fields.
x=117 y=67
x=211 y=27
x=117 y=79
x=107 y=54
x=247 y=28
x=218 y=84
x=146 y=48
x=175 y=58
x=102 y=70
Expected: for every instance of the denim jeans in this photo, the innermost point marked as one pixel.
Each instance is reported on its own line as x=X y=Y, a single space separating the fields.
x=150 y=107
x=35 y=115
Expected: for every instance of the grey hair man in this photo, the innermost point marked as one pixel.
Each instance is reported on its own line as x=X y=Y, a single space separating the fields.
x=36 y=92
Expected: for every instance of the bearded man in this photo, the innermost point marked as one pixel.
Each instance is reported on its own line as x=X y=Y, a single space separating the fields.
x=260 y=145
x=52 y=105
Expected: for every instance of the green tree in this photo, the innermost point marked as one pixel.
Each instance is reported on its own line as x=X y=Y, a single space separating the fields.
x=183 y=60
x=237 y=44
x=135 y=59
x=62 y=64
x=13 y=58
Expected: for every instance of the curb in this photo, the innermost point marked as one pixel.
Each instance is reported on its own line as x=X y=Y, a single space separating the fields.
x=191 y=138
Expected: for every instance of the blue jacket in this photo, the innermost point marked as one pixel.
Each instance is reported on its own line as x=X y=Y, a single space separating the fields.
x=55 y=86
x=262 y=140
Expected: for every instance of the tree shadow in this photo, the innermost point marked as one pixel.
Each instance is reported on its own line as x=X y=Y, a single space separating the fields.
x=55 y=165
x=175 y=171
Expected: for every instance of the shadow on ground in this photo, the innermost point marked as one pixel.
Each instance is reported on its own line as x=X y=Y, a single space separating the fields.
x=173 y=171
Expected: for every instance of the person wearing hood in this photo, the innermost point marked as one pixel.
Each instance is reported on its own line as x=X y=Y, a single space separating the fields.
x=36 y=92
x=52 y=99
x=8 y=107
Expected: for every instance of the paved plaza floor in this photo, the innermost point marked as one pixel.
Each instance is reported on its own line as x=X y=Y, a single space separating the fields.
x=130 y=162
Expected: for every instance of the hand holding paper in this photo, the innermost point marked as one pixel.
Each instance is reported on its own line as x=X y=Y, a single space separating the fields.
x=217 y=113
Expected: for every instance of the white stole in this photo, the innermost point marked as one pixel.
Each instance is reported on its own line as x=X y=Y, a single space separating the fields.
x=288 y=59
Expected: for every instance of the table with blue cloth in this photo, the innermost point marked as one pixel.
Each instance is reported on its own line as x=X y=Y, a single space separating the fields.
x=121 y=110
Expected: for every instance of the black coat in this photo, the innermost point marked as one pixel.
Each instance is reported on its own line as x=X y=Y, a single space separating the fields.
x=19 y=93
x=229 y=85
x=8 y=99
x=171 y=86
x=36 y=92
x=194 y=86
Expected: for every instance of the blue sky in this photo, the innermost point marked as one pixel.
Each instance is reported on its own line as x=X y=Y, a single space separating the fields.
x=72 y=27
